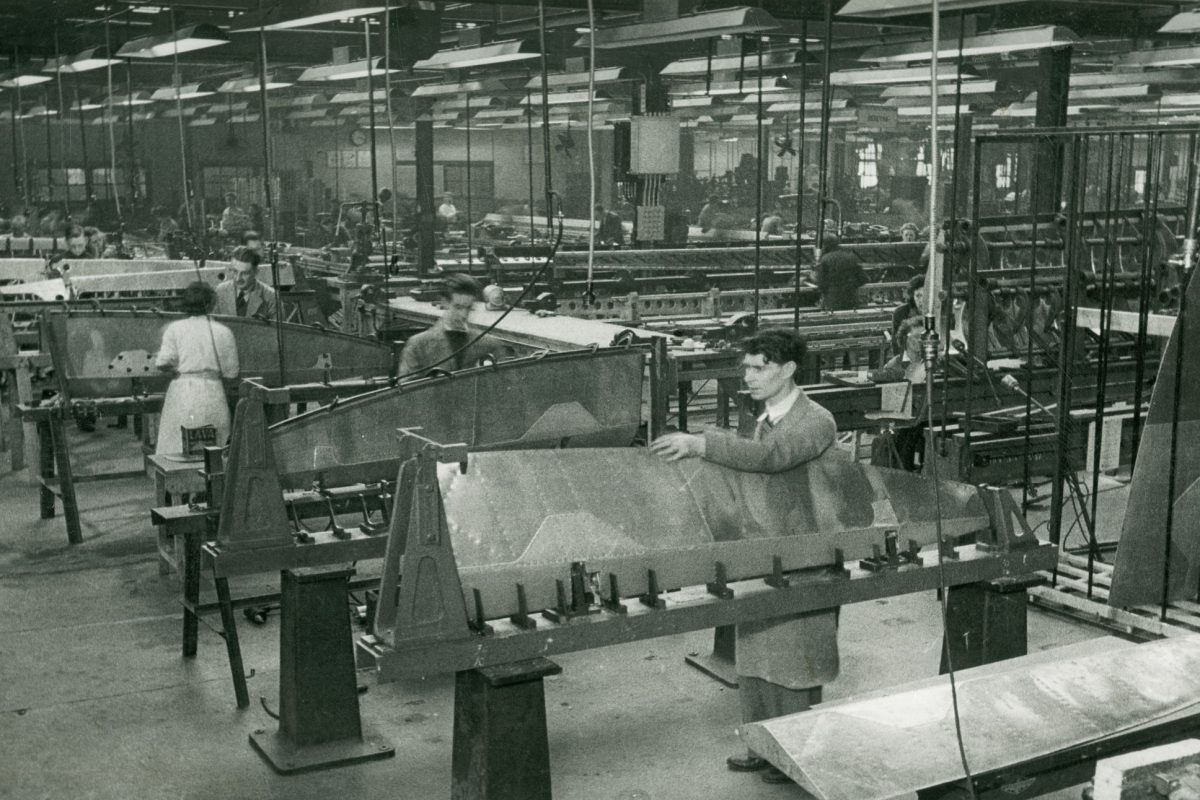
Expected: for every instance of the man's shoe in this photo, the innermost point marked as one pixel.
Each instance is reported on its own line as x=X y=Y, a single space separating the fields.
x=746 y=763
x=773 y=775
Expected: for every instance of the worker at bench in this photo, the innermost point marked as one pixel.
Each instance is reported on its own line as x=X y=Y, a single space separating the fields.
x=782 y=663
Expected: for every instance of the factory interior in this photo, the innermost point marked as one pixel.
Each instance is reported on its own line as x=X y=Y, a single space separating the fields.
x=425 y=399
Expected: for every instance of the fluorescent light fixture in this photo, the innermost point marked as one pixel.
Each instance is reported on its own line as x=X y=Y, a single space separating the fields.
x=300 y=14
x=691 y=102
x=499 y=113
x=810 y=106
x=311 y=113
x=127 y=100
x=202 y=122
x=445 y=89
x=446 y=116
x=1154 y=77
x=748 y=86
x=186 y=111
x=563 y=80
x=774 y=59
x=1010 y=41
x=252 y=84
x=899 y=8
x=463 y=102
x=1104 y=93
x=1160 y=57
x=561 y=98
x=480 y=56
x=245 y=119
x=1181 y=99
x=229 y=108
x=749 y=119
x=1183 y=22
x=704 y=25
x=184 y=40
x=188 y=91
x=923 y=111
x=350 y=71
x=922 y=91
x=14 y=81
x=85 y=104
x=886 y=77
x=1030 y=110
x=38 y=111
x=342 y=98
x=83 y=61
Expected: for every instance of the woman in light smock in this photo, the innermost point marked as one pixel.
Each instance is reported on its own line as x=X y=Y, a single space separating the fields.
x=199 y=352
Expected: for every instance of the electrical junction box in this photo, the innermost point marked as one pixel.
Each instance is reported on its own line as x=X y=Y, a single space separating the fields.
x=654 y=146
x=651 y=223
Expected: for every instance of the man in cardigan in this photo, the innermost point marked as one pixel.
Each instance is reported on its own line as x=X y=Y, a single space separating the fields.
x=782 y=663
x=444 y=344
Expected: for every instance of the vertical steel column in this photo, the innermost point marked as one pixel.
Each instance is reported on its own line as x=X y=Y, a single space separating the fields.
x=371 y=118
x=826 y=102
x=1189 y=263
x=1064 y=470
x=1034 y=208
x=1149 y=236
x=799 y=166
x=268 y=199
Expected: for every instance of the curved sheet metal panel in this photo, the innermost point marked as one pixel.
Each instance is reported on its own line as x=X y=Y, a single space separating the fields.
x=576 y=399
x=1138 y=573
x=102 y=354
x=565 y=505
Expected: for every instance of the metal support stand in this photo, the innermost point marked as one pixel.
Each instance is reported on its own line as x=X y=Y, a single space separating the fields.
x=233 y=646
x=721 y=663
x=501 y=745
x=987 y=622
x=319 y=723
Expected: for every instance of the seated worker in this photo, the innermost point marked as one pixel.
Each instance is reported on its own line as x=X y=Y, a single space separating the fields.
x=772 y=224
x=245 y=295
x=78 y=244
x=252 y=241
x=234 y=219
x=609 y=229
x=909 y=232
x=914 y=306
x=838 y=275
x=447 y=214
x=18 y=226
x=442 y=345
x=782 y=663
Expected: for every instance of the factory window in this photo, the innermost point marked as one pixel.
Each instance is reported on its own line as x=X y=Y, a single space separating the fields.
x=245 y=182
x=65 y=184
x=1004 y=172
x=107 y=183
x=454 y=180
x=868 y=166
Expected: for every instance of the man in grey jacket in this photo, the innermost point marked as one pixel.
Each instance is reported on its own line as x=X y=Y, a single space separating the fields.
x=782 y=663
x=245 y=295
x=444 y=344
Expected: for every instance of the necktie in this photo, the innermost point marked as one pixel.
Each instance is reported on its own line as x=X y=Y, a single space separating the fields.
x=241 y=304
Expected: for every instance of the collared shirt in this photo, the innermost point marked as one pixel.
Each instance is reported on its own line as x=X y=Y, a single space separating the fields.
x=775 y=411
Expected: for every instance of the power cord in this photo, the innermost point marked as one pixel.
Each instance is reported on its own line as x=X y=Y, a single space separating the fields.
x=930 y=346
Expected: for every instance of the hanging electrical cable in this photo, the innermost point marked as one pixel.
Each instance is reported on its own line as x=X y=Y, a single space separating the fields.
x=760 y=158
x=268 y=200
x=183 y=165
x=387 y=88
x=470 y=215
x=589 y=293
x=799 y=168
x=110 y=122
x=375 y=202
x=547 y=175
x=62 y=135
x=930 y=351
x=826 y=107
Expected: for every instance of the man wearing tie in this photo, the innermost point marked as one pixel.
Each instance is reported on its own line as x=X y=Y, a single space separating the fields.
x=782 y=663
x=245 y=295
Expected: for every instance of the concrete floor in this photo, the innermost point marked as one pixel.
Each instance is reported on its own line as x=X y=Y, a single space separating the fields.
x=96 y=702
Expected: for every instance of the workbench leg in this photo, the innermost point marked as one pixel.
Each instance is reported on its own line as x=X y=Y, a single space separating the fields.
x=45 y=469
x=319 y=723
x=193 y=539
x=501 y=745
x=66 y=480
x=165 y=542
x=232 y=645
x=685 y=388
x=986 y=623
x=721 y=664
